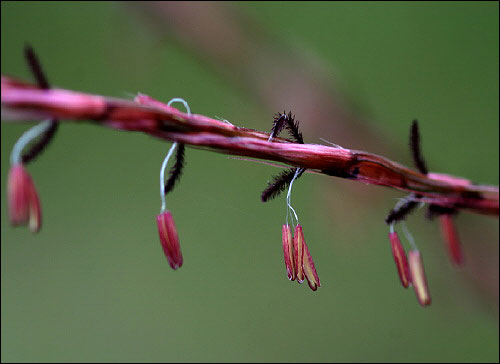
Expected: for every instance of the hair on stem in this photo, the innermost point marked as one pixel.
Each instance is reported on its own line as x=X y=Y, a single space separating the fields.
x=176 y=171
x=293 y=128
x=44 y=140
x=416 y=148
x=280 y=183
x=401 y=210
x=287 y=121
x=282 y=180
x=35 y=67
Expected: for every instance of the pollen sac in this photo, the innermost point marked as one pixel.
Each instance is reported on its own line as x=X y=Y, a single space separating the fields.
x=169 y=239
x=451 y=239
x=418 y=278
x=24 y=204
x=287 y=238
x=310 y=270
x=35 y=210
x=298 y=252
x=400 y=259
x=17 y=195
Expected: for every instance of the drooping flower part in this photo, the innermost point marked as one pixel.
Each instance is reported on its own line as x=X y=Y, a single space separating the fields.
x=35 y=220
x=451 y=239
x=298 y=252
x=287 y=238
x=166 y=226
x=310 y=270
x=298 y=261
x=17 y=195
x=418 y=278
x=169 y=239
x=24 y=204
x=400 y=259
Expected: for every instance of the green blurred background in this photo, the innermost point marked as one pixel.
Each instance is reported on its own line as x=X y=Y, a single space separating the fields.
x=94 y=285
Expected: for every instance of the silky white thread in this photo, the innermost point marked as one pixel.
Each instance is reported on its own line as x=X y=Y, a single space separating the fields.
x=402 y=201
x=270 y=138
x=162 y=174
x=223 y=120
x=335 y=145
x=169 y=154
x=178 y=99
x=288 y=198
x=406 y=232
x=25 y=139
x=409 y=237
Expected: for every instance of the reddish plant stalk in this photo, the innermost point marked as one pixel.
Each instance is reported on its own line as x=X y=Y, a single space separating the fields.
x=21 y=100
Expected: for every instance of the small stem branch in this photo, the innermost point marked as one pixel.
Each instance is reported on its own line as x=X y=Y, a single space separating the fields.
x=22 y=100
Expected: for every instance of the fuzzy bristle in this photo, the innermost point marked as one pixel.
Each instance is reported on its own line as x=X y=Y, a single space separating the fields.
x=279 y=183
x=401 y=212
x=293 y=128
x=176 y=171
x=287 y=121
x=278 y=124
x=416 y=148
x=437 y=210
x=35 y=67
x=37 y=71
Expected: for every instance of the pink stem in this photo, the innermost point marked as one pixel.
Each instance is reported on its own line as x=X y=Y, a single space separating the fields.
x=23 y=100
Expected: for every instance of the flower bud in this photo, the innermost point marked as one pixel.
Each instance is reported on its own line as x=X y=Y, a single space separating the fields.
x=451 y=239
x=169 y=239
x=24 y=204
x=418 y=278
x=287 y=238
x=400 y=259
x=298 y=252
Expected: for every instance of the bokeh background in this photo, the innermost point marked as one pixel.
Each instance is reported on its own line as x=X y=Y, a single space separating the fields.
x=94 y=285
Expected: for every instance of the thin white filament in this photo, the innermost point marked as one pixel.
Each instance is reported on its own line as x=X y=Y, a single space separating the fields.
x=288 y=199
x=178 y=99
x=223 y=120
x=162 y=176
x=25 y=139
x=407 y=233
x=402 y=201
x=409 y=237
x=169 y=154
x=335 y=145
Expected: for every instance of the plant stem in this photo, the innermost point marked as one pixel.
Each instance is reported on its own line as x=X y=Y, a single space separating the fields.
x=22 y=100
